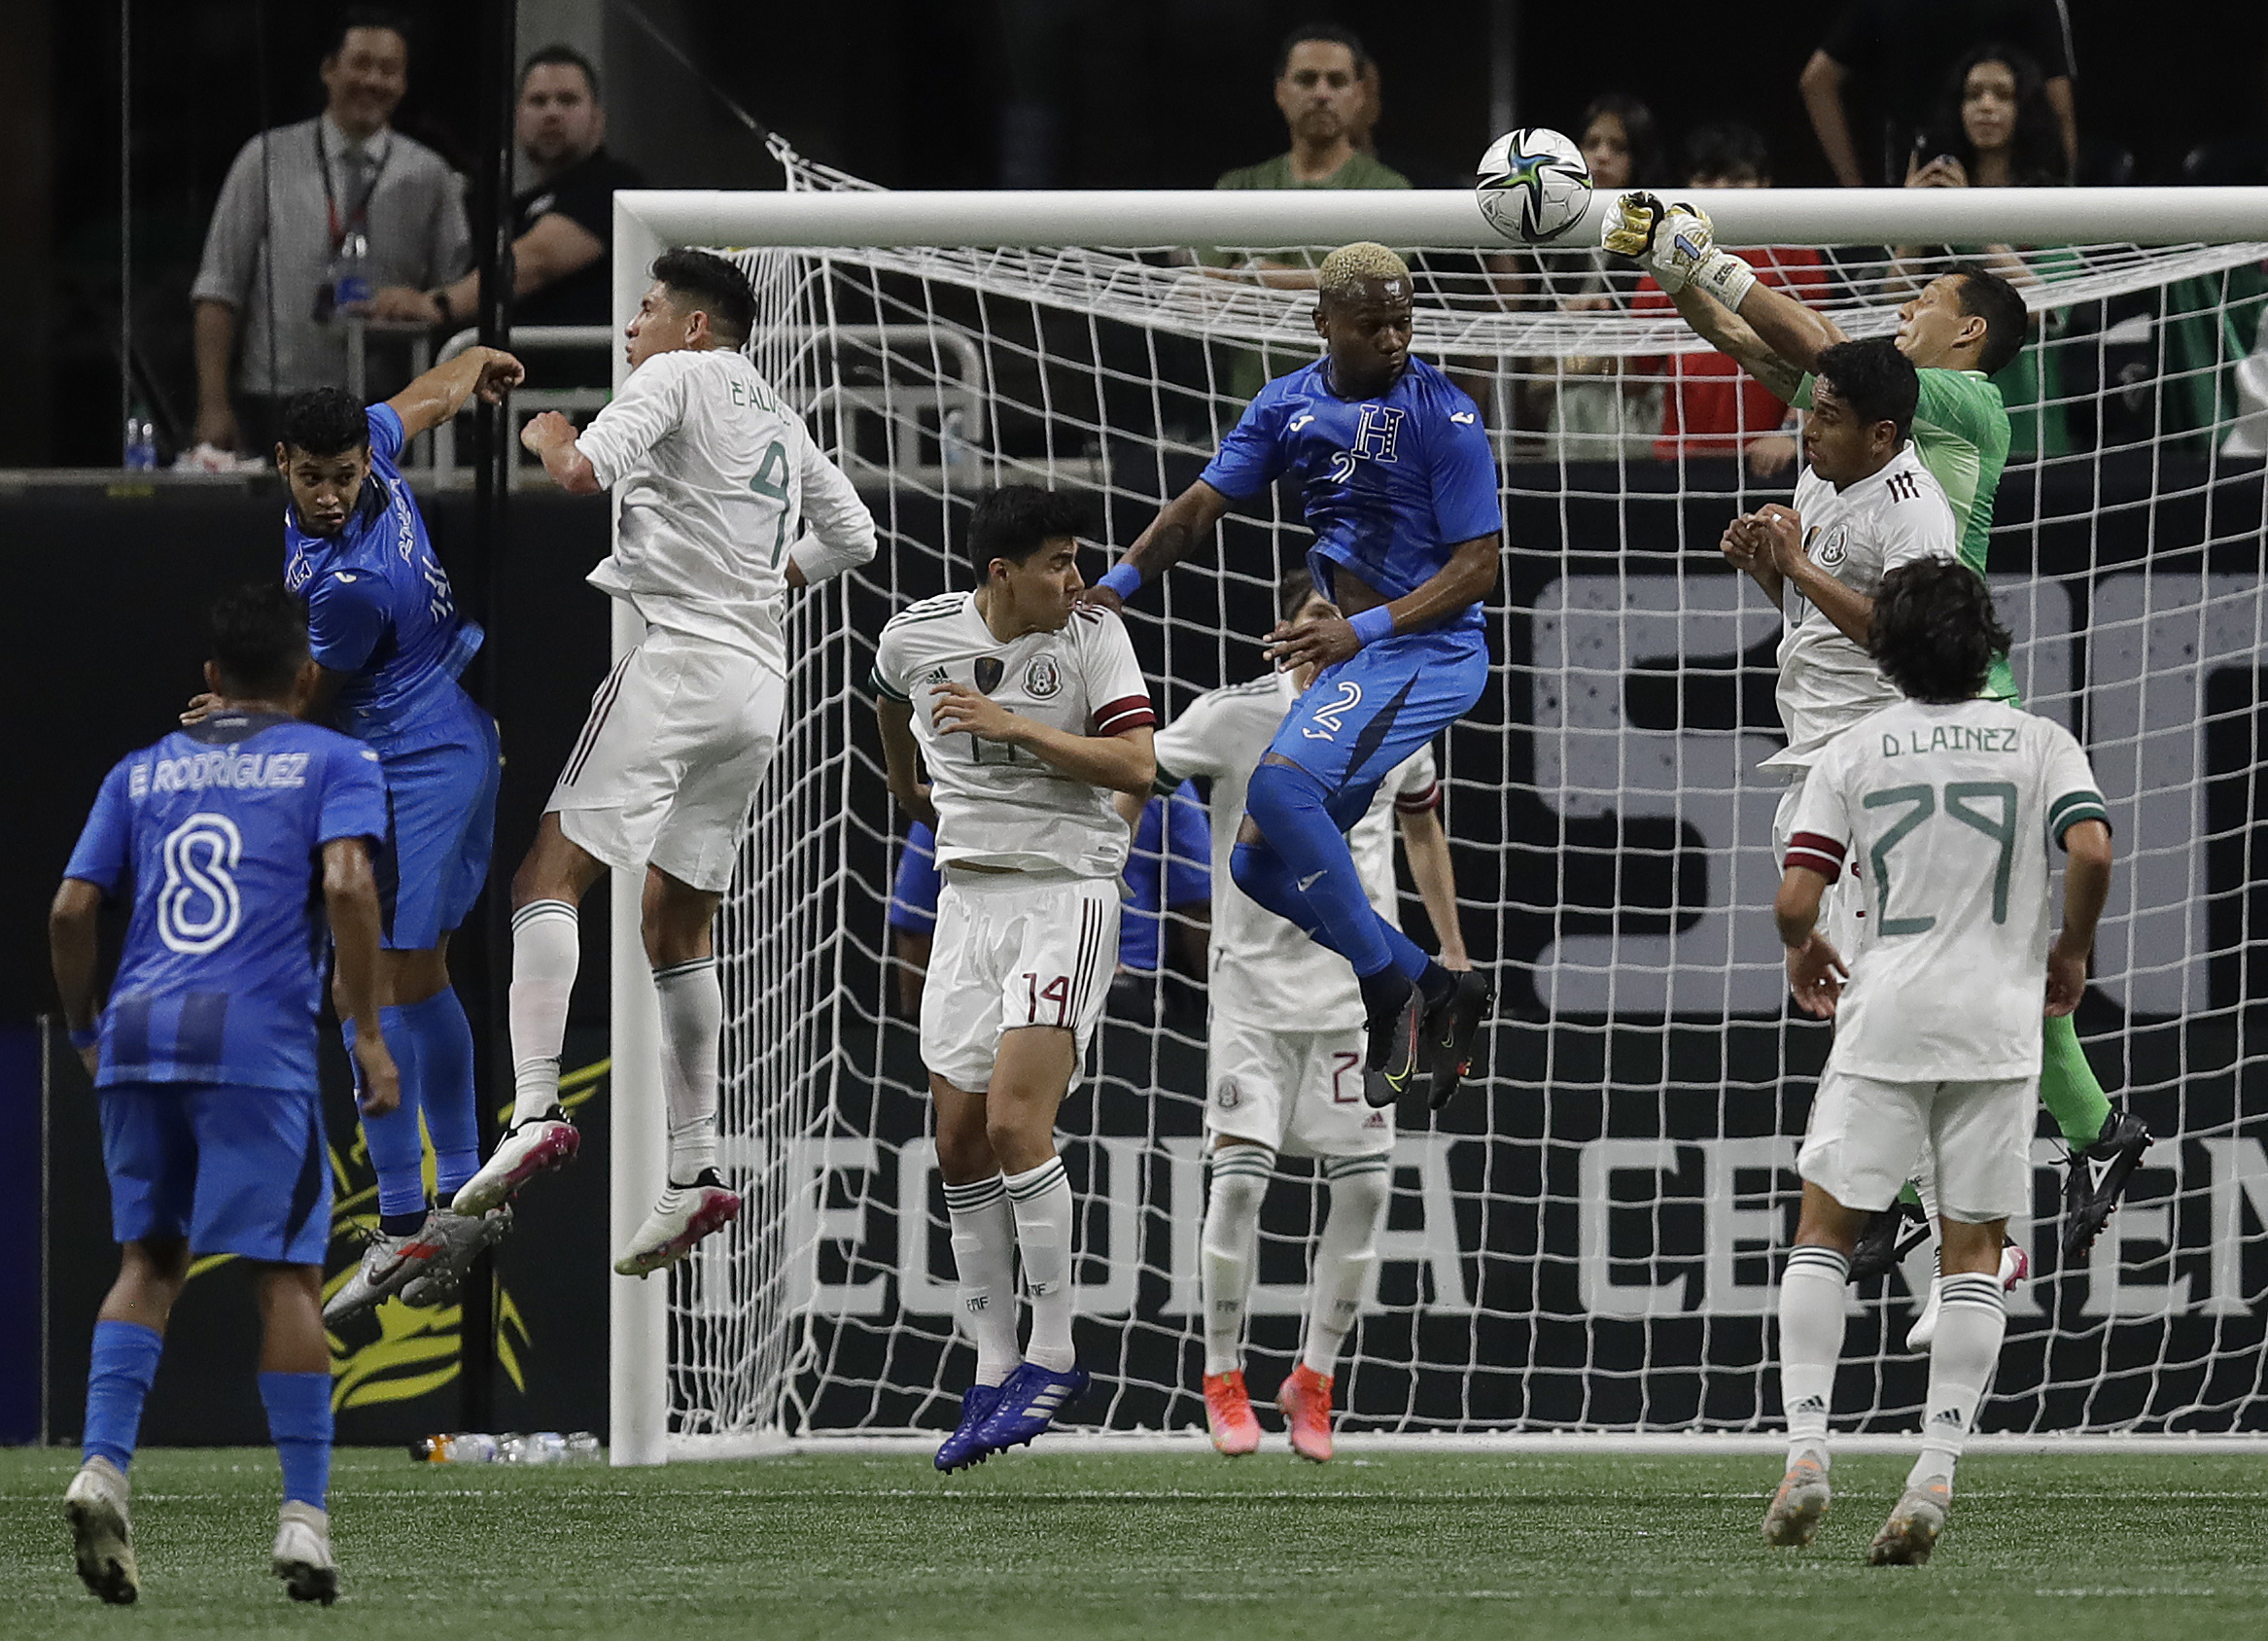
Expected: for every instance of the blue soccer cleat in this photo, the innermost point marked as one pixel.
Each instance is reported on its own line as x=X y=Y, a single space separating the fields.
x=965 y=1445
x=1029 y=1403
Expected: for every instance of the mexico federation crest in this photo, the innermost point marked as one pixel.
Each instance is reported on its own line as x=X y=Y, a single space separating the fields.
x=1225 y=1097
x=988 y=673
x=1833 y=548
x=1042 y=680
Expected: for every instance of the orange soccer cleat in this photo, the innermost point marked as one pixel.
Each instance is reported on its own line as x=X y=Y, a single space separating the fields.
x=1305 y=1401
x=1228 y=1413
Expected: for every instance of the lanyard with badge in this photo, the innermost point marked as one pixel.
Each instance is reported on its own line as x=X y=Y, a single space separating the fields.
x=346 y=282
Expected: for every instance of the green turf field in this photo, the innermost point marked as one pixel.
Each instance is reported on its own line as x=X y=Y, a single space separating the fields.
x=1161 y=1546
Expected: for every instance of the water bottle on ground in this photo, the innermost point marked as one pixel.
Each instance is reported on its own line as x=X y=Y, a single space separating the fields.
x=549 y=1447
x=457 y=1448
x=141 y=441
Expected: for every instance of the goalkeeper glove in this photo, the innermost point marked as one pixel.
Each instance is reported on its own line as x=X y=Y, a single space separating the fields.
x=1628 y=228
x=1684 y=253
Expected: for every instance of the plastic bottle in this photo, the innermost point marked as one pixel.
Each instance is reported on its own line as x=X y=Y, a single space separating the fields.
x=953 y=449
x=457 y=1448
x=549 y=1447
x=141 y=441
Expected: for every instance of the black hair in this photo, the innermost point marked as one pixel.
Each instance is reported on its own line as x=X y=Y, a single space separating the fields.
x=2038 y=160
x=368 y=16
x=562 y=56
x=1017 y=521
x=1329 y=31
x=713 y=285
x=1987 y=295
x=260 y=638
x=1292 y=588
x=1874 y=379
x=1639 y=132
x=1935 y=632
x=324 y=422
x=1726 y=149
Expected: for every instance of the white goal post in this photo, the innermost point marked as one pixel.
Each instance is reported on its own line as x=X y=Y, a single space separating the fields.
x=837 y=216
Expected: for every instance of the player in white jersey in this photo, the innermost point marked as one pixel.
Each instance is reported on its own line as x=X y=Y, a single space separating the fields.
x=718 y=483
x=1864 y=505
x=1285 y=1046
x=1028 y=709
x=1951 y=802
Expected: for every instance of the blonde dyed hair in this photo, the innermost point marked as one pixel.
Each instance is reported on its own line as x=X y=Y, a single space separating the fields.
x=1345 y=271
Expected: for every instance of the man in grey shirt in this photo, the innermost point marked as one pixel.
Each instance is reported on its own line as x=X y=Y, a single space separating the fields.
x=294 y=197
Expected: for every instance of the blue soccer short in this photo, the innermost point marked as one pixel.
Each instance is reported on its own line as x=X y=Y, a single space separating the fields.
x=234 y=1170
x=441 y=785
x=1361 y=717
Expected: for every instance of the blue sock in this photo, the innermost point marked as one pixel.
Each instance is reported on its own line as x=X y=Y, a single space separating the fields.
x=118 y=1381
x=1300 y=846
x=299 y=1423
x=443 y=1052
x=396 y=1147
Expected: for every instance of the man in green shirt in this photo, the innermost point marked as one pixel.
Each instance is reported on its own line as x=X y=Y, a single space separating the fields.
x=1962 y=329
x=1325 y=83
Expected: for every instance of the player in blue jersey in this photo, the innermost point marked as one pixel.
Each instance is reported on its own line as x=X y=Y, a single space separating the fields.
x=1398 y=482
x=233 y=837
x=389 y=639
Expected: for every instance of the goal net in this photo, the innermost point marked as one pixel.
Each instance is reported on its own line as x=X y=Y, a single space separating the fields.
x=1588 y=1240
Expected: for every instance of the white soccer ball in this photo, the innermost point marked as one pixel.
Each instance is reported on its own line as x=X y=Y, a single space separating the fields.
x=1533 y=185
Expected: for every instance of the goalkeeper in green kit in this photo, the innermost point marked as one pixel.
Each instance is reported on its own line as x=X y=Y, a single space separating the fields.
x=1963 y=327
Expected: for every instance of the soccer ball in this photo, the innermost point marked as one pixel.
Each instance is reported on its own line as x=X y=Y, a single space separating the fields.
x=1533 y=185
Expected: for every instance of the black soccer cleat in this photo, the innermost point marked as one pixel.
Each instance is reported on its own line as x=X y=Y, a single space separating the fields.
x=1450 y=1030
x=2099 y=1176
x=1391 y=1066
x=1890 y=1236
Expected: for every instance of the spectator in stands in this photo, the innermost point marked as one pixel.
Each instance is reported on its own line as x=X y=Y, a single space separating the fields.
x=1327 y=89
x=1898 y=52
x=1594 y=408
x=1993 y=127
x=297 y=205
x=1710 y=408
x=563 y=220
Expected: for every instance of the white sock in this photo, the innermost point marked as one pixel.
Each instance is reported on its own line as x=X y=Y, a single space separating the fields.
x=983 y=1258
x=1360 y=1187
x=1232 y=1228
x=546 y=947
x=692 y=1014
x=1811 y=1342
x=1972 y=1317
x=1041 y=1197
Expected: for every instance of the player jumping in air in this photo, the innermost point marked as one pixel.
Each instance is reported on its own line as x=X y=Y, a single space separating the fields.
x=1951 y=801
x=1028 y=709
x=1284 y=1047
x=246 y=838
x=389 y=640
x=1399 y=485
x=718 y=480
x=1963 y=327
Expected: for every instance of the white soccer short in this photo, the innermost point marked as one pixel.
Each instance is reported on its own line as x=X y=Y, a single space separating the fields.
x=1867 y=1137
x=1295 y=1092
x=1014 y=949
x=1843 y=907
x=679 y=738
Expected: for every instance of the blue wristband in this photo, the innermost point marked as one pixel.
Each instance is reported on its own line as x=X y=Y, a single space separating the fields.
x=1372 y=624
x=1122 y=578
x=88 y=1039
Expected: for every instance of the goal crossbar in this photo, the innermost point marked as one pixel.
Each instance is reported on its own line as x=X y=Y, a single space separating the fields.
x=1437 y=217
